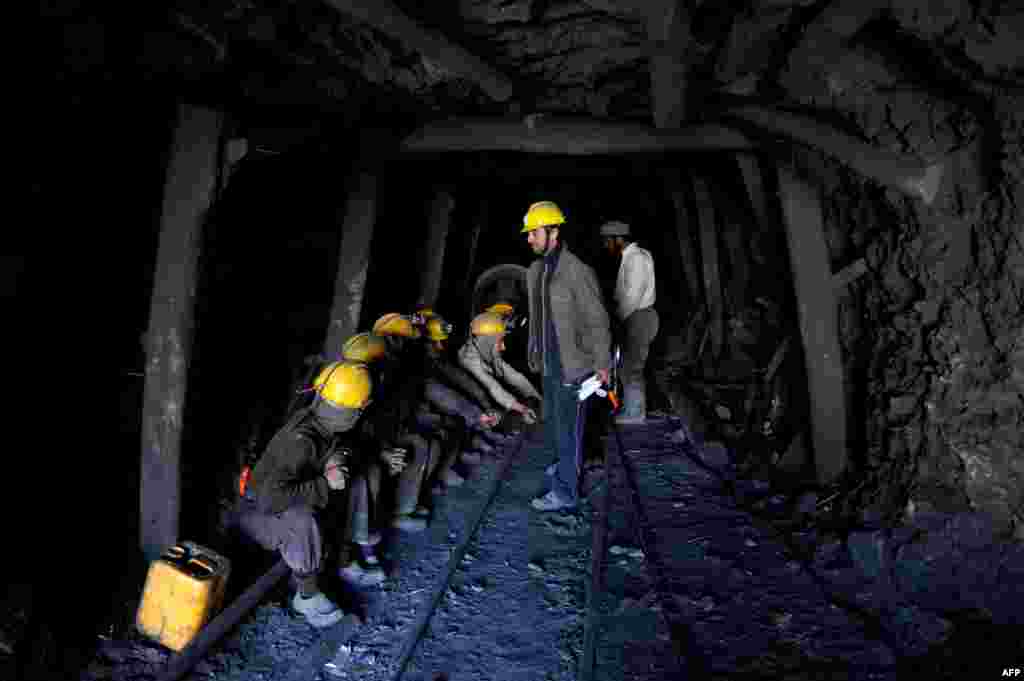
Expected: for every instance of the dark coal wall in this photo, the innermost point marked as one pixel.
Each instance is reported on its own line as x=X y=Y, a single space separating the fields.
x=263 y=301
x=933 y=341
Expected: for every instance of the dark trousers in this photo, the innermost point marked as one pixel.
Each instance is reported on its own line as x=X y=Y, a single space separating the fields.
x=295 y=533
x=565 y=419
x=298 y=533
x=640 y=330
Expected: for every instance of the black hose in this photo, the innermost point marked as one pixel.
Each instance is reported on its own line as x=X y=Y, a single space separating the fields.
x=181 y=663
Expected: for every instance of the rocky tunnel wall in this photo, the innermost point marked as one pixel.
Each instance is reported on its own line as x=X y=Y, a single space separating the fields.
x=933 y=332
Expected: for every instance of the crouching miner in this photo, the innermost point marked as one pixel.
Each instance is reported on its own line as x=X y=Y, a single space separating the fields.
x=291 y=500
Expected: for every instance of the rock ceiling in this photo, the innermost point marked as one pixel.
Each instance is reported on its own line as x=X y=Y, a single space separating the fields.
x=651 y=61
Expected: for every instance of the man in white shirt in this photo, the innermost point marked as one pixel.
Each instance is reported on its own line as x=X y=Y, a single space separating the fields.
x=634 y=307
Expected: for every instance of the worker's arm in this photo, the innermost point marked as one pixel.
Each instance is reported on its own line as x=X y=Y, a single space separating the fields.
x=446 y=401
x=458 y=377
x=594 y=322
x=520 y=383
x=297 y=480
x=474 y=364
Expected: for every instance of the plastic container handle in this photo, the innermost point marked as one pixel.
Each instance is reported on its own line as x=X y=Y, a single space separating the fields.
x=211 y=569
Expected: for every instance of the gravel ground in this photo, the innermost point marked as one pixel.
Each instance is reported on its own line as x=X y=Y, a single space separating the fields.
x=699 y=586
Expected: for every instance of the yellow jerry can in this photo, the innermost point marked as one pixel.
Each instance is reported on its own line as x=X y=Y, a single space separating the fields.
x=184 y=590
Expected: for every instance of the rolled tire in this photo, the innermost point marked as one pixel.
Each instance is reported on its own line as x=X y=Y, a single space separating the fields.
x=490 y=277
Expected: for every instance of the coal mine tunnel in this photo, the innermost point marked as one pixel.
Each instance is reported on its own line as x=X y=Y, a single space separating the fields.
x=828 y=477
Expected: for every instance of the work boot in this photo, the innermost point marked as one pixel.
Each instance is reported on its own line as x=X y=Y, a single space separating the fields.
x=361 y=566
x=318 y=609
x=552 y=502
x=407 y=522
x=634 y=407
x=470 y=458
x=453 y=479
x=361 y=575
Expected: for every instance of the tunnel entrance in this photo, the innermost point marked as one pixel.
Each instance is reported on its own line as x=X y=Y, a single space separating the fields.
x=272 y=254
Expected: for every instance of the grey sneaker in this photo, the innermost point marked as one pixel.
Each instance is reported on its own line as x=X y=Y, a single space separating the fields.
x=409 y=523
x=371 y=540
x=551 y=502
x=453 y=479
x=319 y=610
x=363 y=575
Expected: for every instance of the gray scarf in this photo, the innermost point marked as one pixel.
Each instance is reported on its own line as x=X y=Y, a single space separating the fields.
x=336 y=419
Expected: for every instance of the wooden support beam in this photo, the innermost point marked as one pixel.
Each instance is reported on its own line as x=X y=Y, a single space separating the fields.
x=530 y=168
x=353 y=262
x=909 y=174
x=848 y=275
x=668 y=23
x=776 y=361
x=685 y=224
x=808 y=254
x=568 y=135
x=739 y=264
x=433 y=251
x=479 y=224
x=712 y=274
x=188 y=194
x=387 y=18
x=752 y=179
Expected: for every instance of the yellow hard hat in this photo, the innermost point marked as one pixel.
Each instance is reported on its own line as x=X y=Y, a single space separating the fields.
x=488 y=324
x=542 y=214
x=500 y=309
x=437 y=328
x=364 y=347
x=394 y=324
x=344 y=384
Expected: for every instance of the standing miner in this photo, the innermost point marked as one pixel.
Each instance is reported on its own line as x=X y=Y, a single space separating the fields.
x=634 y=306
x=569 y=341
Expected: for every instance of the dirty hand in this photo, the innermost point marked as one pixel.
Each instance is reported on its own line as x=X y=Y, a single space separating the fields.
x=603 y=374
x=489 y=419
x=394 y=457
x=336 y=472
x=529 y=415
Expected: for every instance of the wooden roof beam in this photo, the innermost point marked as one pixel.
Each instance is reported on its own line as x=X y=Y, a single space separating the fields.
x=568 y=135
x=387 y=18
x=668 y=24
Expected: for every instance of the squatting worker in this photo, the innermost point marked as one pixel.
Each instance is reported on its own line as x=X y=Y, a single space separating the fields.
x=288 y=501
x=481 y=357
x=634 y=306
x=570 y=340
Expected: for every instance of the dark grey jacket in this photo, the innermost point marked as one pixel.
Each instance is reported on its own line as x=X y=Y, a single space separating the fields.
x=580 y=319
